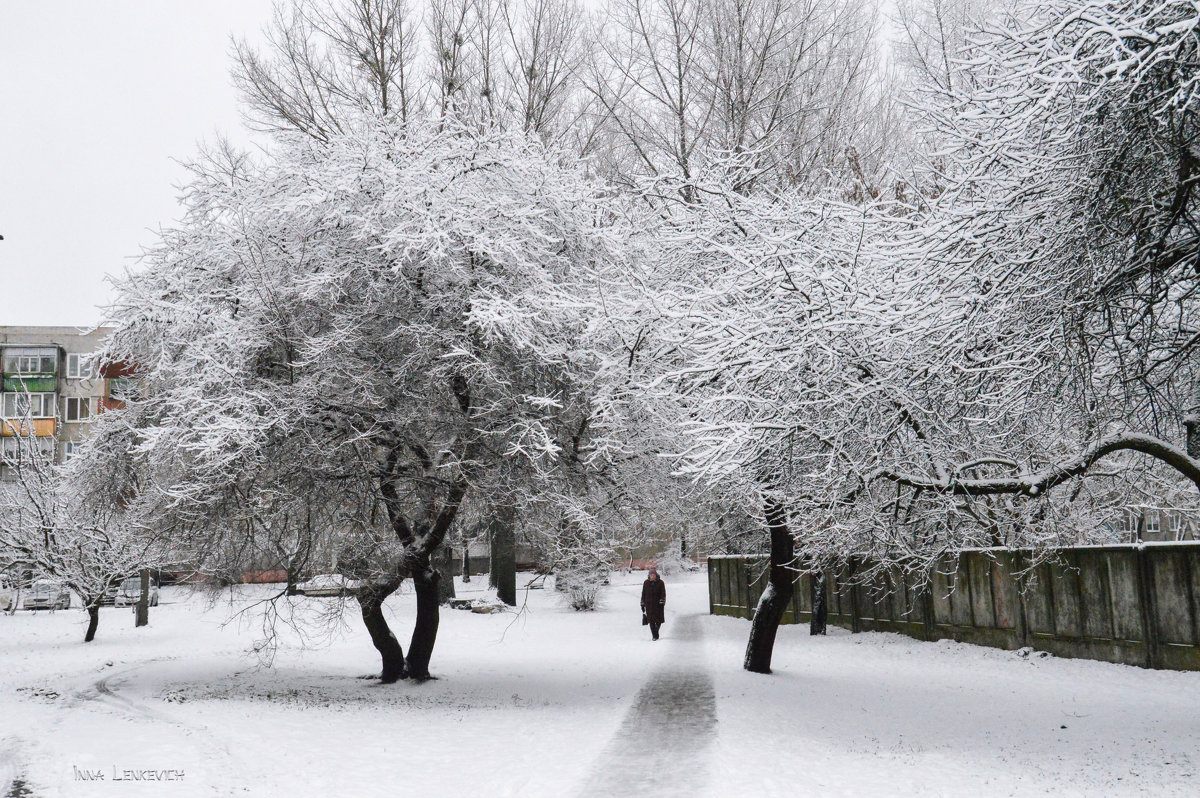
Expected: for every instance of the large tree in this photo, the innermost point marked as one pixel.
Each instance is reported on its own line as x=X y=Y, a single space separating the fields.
x=897 y=381
x=1009 y=362
x=348 y=339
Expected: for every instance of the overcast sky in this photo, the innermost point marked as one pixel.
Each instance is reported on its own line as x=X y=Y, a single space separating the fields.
x=96 y=99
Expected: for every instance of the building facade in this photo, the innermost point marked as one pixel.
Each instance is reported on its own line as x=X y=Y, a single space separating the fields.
x=52 y=389
x=1156 y=525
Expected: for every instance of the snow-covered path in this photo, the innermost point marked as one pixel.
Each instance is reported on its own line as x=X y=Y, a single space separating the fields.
x=661 y=745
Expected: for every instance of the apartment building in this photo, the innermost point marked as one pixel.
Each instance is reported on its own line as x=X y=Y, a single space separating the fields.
x=1156 y=524
x=51 y=387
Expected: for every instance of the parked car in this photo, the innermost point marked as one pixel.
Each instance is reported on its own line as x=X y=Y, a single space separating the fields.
x=326 y=585
x=47 y=595
x=130 y=592
x=7 y=595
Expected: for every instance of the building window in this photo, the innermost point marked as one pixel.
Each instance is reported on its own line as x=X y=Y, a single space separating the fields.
x=18 y=450
x=30 y=361
x=79 y=367
x=69 y=449
x=1176 y=524
x=79 y=408
x=28 y=405
x=1152 y=523
x=122 y=388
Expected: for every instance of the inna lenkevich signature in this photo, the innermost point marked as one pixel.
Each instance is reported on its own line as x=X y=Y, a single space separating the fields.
x=126 y=774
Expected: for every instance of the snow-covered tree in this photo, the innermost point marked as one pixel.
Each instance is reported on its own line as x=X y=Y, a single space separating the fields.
x=351 y=338
x=758 y=308
x=1011 y=363
x=887 y=384
x=1067 y=232
x=45 y=525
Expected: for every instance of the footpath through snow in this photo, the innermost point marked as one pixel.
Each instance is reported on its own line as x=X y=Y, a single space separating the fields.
x=553 y=702
x=661 y=746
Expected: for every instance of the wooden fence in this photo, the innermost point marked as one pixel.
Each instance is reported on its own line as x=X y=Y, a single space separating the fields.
x=1133 y=604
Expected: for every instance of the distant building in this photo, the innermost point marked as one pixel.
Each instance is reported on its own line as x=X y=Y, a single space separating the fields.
x=1149 y=524
x=52 y=389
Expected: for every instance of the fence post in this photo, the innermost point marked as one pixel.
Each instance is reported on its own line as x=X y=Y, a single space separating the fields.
x=749 y=604
x=1022 y=617
x=709 y=567
x=855 y=620
x=927 y=604
x=1145 y=579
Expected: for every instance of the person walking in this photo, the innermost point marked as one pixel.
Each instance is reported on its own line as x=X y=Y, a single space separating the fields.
x=654 y=600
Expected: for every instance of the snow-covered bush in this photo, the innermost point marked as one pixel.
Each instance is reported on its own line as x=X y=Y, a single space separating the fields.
x=671 y=562
x=581 y=581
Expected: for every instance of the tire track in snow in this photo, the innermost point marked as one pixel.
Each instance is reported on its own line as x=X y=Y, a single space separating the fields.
x=12 y=783
x=659 y=748
x=101 y=690
x=105 y=691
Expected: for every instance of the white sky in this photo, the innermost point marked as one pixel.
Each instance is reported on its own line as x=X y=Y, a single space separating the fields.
x=96 y=99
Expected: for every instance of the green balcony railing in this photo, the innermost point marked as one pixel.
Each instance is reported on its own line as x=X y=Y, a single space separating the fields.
x=33 y=383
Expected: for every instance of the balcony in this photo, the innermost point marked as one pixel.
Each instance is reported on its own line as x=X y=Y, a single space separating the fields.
x=31 y=383
x=30 y=369
x=23 y=427
x=23 y=414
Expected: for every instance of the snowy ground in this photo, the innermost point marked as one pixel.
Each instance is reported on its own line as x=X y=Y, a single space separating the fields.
x=551 y=702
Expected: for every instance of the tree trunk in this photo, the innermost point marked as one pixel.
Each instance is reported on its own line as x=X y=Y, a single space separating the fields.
x=142 y=613
x=420 y=649
x=381 y=635
x=503 y=571
x=780 y=587
x=820 y=609
x=446 y=582
x=466 y=563
x=93 y=611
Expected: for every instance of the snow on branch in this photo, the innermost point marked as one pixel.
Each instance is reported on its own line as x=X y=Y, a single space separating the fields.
x=1039 y=482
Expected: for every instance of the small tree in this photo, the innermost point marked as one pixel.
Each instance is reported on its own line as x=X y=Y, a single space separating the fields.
x=44 y=523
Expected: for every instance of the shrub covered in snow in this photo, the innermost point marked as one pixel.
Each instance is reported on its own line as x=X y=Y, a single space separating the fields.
x=671 y=562
x=580 y=579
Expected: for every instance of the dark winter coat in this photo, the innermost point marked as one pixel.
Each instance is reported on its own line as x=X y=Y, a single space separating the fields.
x=654 y=598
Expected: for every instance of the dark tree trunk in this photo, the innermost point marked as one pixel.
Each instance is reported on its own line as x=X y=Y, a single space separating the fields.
x=820 y=610
x=142 y=613
x=503 y=571
x=381 y=635
x=93 y=611
x=466 y=563
x=446 y=582
x=420 y=544
x=420 y=649
x=780 y=587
